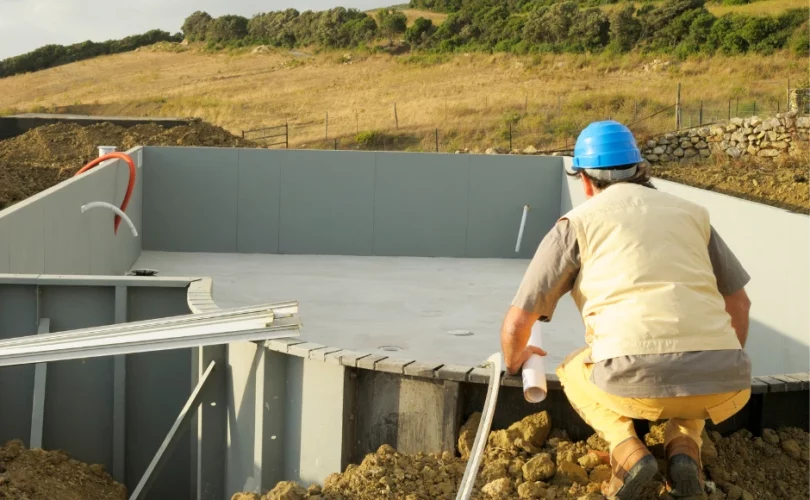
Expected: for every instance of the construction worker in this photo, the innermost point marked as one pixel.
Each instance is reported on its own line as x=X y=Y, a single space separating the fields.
x=665 y=311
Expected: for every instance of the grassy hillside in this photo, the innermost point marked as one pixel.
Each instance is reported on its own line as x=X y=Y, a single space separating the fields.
x=718 y=9
x=470 y=98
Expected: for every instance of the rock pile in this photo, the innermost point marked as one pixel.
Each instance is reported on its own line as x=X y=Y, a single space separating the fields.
x=754 y=136
x=529 y=460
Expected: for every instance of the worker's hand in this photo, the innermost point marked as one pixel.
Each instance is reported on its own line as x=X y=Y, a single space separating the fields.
x=525 y=354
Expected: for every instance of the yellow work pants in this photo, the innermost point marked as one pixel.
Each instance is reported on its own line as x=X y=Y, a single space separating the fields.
x=612 y=416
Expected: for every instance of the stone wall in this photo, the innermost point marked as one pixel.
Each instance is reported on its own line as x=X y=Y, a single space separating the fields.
x=754 y=136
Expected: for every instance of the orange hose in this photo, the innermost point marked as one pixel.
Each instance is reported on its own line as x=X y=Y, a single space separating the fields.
x=130 y=186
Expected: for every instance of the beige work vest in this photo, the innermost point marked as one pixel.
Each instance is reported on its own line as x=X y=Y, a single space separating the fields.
x=646 y=284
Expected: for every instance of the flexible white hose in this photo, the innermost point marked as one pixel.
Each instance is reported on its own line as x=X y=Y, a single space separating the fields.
x=482 y=434
x=522 y=227
x=104 y=204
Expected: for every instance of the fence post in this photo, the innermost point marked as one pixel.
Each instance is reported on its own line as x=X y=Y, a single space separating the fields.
x=700 y=117
x=787 y=102
x=755 y=108
x=396 y=119
x=678 y=108
x=777 y=105
x=286 y=135
x=243 y=134
x=510 y=136
x=326 y=127
x=335 y=143
x=437 y=140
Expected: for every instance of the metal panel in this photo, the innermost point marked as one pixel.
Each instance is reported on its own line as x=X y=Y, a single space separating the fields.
x=154 y=303
x=327 y=201
x=420 y=204
x=80 y=392
x=189 y=199
x=129 y=248
x=67 y=247
x=259 y=200
x=499 y=187
x=156 y=387
x=212 y=427
x=18 y=304
x=174 y=437
x=243 y=473
x=26 y=238
x=322 y=409
x=5 y=245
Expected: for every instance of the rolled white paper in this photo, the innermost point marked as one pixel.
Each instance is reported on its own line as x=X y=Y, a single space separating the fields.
x=534 y=373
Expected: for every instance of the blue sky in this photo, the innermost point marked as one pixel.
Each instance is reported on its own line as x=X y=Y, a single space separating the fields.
x=28 y=24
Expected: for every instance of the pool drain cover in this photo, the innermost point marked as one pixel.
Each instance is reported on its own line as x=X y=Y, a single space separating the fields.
x=390 y=348
x=143 y=272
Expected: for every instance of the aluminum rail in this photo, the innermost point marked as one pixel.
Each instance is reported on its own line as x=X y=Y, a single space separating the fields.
x=279 y=310
x=129 y=340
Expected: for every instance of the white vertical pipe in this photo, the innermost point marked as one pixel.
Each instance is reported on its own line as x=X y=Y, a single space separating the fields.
x=522 y=227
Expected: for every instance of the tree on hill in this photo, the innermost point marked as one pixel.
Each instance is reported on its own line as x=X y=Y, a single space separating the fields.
x=195 y=26
x=624 y=28
x=419 y=32
x=392 y=22
x=227 y=28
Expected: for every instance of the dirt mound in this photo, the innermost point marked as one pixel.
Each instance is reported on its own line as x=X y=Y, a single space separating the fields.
x=52 y=475
x=738 y=467
x=47 y=155
x=780 y=184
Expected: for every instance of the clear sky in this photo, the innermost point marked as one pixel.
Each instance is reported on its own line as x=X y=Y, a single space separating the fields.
x=28 y=24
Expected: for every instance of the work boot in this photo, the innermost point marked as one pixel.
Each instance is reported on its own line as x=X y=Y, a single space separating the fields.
x=632 y=467
x=684 y=469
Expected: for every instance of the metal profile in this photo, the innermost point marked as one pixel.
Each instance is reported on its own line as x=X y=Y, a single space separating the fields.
x=129 y=339
x=281 y=310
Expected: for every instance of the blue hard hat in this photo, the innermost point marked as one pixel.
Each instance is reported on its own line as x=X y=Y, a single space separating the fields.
x=606 y=144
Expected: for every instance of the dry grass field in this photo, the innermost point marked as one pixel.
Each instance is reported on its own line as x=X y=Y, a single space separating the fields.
x=759 y=8
x=469 y=98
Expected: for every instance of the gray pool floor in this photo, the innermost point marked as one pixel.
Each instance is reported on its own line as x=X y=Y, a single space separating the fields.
x=365 y=303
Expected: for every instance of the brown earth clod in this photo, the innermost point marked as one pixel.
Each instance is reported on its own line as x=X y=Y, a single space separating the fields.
x=737 y=466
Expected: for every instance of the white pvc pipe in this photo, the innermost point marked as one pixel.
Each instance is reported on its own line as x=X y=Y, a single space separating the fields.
x=522 y=227
x=103 y=150
x=534 y=373
x=103 y=204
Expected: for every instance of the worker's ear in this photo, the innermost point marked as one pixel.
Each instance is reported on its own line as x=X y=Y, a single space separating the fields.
x=587 y=186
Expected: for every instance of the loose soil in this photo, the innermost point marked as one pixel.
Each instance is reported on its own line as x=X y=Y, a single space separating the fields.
x=52 y=475
x=529 y=460
x=780 y=184
x=47 y=155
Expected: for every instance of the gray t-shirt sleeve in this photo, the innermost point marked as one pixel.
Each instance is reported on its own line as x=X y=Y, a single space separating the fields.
x=730 y=274
x=551 y=272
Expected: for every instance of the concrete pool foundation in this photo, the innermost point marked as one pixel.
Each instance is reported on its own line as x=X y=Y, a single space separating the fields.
x=403 y=265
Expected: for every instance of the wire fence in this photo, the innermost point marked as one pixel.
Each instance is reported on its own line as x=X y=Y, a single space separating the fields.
x=508 y=124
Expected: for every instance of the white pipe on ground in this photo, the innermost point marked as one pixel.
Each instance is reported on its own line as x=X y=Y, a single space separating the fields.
x=522 y=227
x=103 y=204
